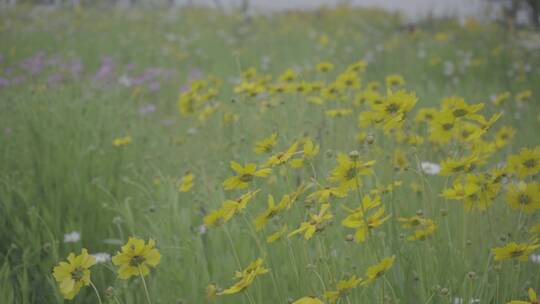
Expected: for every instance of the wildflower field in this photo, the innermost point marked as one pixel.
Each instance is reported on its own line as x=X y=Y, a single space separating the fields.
x=332 y=156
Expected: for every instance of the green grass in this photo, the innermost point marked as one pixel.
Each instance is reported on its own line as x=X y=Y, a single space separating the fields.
x=59 y=171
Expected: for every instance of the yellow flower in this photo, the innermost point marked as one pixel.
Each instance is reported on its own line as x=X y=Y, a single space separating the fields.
x=524 y=197
x=526 y=163
x=246 y=277
x=532 y=299
x=272 y=210
x=74 y=274
x=308 y=300
x=514 y=250
x=423 y=227
x=524 y=96
x=316 y=223
x=342 y=287
x=309 y=151
x=504 y=136
x=228 y=209
x=277 y=235
x=136 y=257
x=443 y=127
x=324 y=67
x=391 y=112
x=425 y=115
x=347 y=173
x=186 y=183
x=501 y=98
x=400 y=161
x=394 y=80
x=378 y=270
x=358 y=219
x=325 y=194
x=476 y=191
x=266 y=145
x=457 y=166
x=244 y=175
x=288 y=76
x=338 y=112
x=282 y=157
x=460 y=109
x=122 y=141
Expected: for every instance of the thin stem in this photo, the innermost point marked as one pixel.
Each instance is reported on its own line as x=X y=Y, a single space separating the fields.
x=145 y=287
x=96 y=291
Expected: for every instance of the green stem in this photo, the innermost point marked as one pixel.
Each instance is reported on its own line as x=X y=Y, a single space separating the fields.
x=96 y=291
x=145 y=287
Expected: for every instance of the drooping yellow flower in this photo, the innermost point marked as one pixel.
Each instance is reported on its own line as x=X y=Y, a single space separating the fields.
x=228 y=209
x=245 y=175
x=316 y=223
x=186 y=183
x=308 y=300
x=526 y=163
x=347 y=173
x=342 y=287
x=524 y=196
x=363 y=222
x=122 y=141
x=533 y=299
x=519 y=251
x=277 y=235
x=378 y=270
x=74 y=274
x=266 y=145
x=422 y=227
x=246 y=277
x=524 y=96
x=309 y=150
x=326 y=193
x=282 y=157
x=452 y=166
x=136 y=258
x=272 y=210
x=501 y=98
x=476 y=192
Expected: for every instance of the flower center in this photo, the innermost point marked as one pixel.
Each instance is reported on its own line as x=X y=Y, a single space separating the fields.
x=524 y=199
x=530 y=163
x=392 y=108
x=246 y=178
x=351 y=173
x=447 y=126
x=459 y=112
x=77 y=274
x=136 y=260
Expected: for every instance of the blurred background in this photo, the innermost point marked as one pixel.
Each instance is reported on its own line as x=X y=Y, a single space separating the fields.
x=520 y=12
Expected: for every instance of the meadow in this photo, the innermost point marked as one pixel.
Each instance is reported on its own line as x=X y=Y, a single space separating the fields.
x=332 y=156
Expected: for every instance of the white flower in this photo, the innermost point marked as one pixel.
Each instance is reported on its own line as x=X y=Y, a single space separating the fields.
x=430 y=168
x=72 y=237
x=535 y=258
x=102 y=257
x=124 y=80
